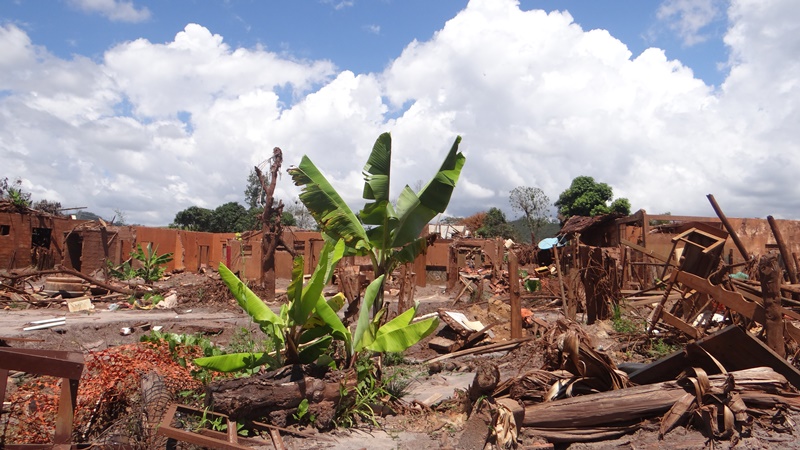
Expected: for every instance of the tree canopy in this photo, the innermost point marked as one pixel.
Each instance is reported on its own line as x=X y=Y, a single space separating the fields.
x=495 y=225
x=193 y=218
x=254 y=194
x=586 y=197
x=532 y=203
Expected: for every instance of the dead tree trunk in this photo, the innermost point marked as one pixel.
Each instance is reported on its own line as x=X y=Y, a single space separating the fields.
x=270 y=223
x=452 y=267
x=591 y=276
x=771 y=275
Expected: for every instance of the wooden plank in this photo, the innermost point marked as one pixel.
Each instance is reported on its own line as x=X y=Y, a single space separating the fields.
x=650 y=253
x=755 y=298
x=732 y=300
x=676 y=322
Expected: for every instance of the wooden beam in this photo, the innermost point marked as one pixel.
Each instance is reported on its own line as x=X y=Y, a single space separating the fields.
x=731 y=231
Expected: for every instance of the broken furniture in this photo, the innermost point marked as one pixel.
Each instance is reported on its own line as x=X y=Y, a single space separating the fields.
x=466 y=332
x=700 y=249
x=733 y=347
x=66 y=365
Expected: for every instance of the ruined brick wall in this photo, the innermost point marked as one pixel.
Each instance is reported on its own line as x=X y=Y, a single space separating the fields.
x=755 y=234
x=15 y=240
x=190 y=249
x=163 y=240
x=18 y=231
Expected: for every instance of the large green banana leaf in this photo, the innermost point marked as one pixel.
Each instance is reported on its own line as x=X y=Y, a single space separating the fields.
x=376 y=182
x=312 y=352
x=332 y=320
x=399 y=333
x=301 y=309
x=408 y=253
x=326 y=206
x=261 y=314
x=295 y=289
x=234 y=362
x=415 y=211
x=362 y=336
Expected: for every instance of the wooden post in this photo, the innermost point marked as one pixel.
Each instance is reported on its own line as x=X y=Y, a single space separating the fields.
x=407 y=282
x=729 y=228
x=569 y=312
x=796 y=262
x=421 y=270
x=787 y=260
x=452 y=267
x=623 y=279
x=770 y=275
x=514 y=290
x=497 y=257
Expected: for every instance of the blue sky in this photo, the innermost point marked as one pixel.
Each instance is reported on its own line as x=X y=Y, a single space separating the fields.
x=362 y=36
x=154 y=106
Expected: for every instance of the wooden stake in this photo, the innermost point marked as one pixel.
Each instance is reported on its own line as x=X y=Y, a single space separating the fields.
x=516 y=306
x=569 y=311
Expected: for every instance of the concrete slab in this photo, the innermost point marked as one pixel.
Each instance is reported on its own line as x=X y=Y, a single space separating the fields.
x=440 y=385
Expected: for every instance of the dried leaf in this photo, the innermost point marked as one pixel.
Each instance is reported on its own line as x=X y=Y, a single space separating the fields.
x=677 y=414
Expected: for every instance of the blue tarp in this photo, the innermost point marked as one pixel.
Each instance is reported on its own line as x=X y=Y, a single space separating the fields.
x=548 y=243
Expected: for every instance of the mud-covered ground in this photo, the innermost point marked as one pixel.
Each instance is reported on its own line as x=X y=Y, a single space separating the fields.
x=205 y=307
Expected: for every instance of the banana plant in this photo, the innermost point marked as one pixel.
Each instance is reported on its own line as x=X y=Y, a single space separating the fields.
x=297 y=333
x=389 y=235
x=307 y=324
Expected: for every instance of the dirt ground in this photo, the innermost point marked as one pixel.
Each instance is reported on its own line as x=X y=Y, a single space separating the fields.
x=206 y=307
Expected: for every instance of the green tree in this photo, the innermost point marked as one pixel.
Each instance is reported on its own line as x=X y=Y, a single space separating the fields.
x=495 y=225
x=254 y=194
x=532 y=203
x=194 y=218
x=288 y=220
x=586 y=197
x=389 y=235
x=230 y=217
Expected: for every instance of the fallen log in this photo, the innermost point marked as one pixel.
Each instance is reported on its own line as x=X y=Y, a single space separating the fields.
x=60 y=269
x=623 y=406
x=281 y=390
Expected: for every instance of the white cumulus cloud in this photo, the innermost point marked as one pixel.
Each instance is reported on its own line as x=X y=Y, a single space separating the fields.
x=114 y=10
x=153 y=128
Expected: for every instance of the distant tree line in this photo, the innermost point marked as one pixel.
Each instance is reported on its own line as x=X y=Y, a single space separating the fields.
x=584 y=197
x=233 y=217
